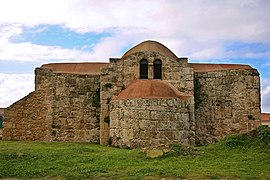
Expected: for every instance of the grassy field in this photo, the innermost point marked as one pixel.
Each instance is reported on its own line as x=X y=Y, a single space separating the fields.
x=244 y=157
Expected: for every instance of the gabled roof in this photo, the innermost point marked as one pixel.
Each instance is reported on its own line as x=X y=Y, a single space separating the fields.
x=76 y=68
x=150 y=46
x=151 y=89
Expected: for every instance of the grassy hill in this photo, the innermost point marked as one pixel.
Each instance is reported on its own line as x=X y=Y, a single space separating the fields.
x=245 y=156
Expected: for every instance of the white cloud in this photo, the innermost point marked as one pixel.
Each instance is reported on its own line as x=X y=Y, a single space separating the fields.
x=31 y=52
x=265 y=93
x=81 y=15
x=27 y=51
x=197 y=29
x=14 y=87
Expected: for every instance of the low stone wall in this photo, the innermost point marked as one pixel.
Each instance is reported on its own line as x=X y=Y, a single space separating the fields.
x=27 y=119
x=226 y=102
x=150 y=122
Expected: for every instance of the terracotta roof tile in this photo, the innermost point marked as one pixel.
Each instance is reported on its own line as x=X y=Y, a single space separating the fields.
x=151 y=89
x=151 y=46
x=265 y=116
x=216 y=67
x=76 y=68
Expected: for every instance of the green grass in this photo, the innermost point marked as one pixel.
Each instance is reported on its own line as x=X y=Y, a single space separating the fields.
x=241 y=157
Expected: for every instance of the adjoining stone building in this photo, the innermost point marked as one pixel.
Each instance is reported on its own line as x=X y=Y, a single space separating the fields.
x=147 y=97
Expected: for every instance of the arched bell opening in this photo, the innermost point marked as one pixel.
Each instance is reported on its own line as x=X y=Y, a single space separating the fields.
x=143 y=69
x=157 y=69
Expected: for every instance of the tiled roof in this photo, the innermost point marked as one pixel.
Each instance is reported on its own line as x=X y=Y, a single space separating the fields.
x=265 y=116
x=151 y=89
x=200 y=67
x=76 y=68
x=151 y=46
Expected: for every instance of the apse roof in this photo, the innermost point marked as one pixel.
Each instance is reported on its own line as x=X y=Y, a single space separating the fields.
x=151 y=89
x=150 y=46
x=76 y=68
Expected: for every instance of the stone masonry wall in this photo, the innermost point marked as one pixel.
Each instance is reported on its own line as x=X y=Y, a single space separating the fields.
x=226 y=102
x=150 y=122
x=1 y=122
x=175 y=71
x=75 y=108
x=26 y=119
x=30 y=118
x=63 y=107
x=121 y=72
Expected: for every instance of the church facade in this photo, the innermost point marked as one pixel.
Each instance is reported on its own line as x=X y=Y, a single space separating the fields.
x=147 y=97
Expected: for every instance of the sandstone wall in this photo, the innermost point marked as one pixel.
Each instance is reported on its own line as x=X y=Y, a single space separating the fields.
x=75 y=108
x=226 y=102
x=149 y=122
x=175 y=71
x=63 y=107
x=1 y=121
x=121 y=72
x=27 y=119
x=30 y=118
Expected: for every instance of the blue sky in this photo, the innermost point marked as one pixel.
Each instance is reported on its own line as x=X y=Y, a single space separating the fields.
x=35 y=32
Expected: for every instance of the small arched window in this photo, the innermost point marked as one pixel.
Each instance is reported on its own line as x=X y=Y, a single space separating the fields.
x=157 y=69
x=143 y=69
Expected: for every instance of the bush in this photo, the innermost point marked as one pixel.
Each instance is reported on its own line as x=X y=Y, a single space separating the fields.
x=264 y=134
x=259 y=137
x=235 y=141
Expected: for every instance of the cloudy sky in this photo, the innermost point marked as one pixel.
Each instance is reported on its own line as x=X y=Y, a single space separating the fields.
x=34 y=32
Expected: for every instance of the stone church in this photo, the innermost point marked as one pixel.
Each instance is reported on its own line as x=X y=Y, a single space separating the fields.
x=147 y=97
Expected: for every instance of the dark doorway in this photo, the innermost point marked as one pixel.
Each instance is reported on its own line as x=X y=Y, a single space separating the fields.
x=143 y=69
x=157 y=69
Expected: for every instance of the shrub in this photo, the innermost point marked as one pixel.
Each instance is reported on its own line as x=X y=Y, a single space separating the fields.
x=264 y=134
x=235 y=141
x=258 y=138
